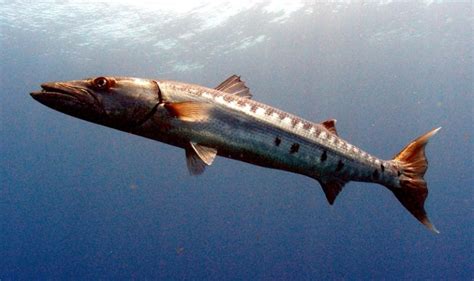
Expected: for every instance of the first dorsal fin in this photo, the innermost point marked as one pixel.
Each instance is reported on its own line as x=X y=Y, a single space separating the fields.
x=330 y=125
x=234 y=86
x=331 y=188
x=198 y=157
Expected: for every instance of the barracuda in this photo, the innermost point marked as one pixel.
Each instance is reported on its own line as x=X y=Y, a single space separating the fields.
x=225 y=121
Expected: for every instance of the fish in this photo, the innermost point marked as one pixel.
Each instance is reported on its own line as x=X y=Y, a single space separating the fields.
x=225 y=121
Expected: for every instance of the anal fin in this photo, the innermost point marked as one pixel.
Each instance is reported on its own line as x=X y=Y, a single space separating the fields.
x=198 y=157
x=332 y=187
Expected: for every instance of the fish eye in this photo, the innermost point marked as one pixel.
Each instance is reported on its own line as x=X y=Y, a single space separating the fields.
x=102 y=83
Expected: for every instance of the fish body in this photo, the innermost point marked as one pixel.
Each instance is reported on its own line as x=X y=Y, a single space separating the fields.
x=246 y=130
x=225 y=121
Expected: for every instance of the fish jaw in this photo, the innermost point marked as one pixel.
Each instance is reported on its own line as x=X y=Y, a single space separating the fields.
x=70 y=98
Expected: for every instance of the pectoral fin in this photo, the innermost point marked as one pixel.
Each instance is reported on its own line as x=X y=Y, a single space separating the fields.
x=198 y=157
x=190 y=111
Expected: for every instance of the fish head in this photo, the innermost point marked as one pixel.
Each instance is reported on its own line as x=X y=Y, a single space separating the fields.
x=119 y=102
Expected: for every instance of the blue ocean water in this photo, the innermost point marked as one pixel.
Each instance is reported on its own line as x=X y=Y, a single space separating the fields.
x=81 y=201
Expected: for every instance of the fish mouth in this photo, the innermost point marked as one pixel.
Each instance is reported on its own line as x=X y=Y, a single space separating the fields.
x=70 y=99
x=58 y=90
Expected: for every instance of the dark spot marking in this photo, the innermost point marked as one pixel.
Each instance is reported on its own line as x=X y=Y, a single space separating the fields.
x=294 y=148
x=340 y=165
x=307 y=125
x=324 y=156
x=399 y=173
x=254 y=108
x=277 y=141
x=269 y=111
x=283 y=115
x=376 y=174
x=241 y=102
x=344 y=144
x=294 y=121
x=382 y=167
x=228 y=98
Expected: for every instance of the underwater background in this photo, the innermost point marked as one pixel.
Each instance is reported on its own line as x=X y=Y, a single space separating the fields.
x=80 y=201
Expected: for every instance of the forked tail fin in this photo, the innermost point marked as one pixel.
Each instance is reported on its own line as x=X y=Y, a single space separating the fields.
x=412 y=190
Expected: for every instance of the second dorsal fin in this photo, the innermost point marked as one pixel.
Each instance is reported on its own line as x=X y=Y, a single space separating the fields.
x=330 y=125
x=234 y=86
